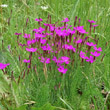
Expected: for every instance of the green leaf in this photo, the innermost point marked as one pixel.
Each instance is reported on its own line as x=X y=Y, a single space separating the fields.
x=4 y=85
x=47 y=106
x=2 y=57
x=23 y=107
x=1 y=107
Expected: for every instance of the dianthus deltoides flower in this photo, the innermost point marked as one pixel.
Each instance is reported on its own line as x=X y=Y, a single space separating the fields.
x=82 y=55
x=2 y=66
x=38 y=19
x=26 y=35
x=96 y=54
x=31 y=49
x=90 y=44
x=65 y=59
x=62 y=69
x=26 y=61
x=65 y=20
x=90 y=59
x=91 y=21
x=98 y=49
x=44 y=60
x=18 y=33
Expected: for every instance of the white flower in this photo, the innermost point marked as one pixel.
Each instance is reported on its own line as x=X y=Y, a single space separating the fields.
x=4 y=5
x=44 y=7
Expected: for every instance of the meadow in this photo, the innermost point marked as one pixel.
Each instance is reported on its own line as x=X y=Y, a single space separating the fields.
x=54 y=54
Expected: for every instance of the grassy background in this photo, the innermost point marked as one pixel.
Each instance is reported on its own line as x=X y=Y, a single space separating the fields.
x=89 y=79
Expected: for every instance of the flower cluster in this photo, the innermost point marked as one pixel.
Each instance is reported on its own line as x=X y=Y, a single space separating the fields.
x=58 y=43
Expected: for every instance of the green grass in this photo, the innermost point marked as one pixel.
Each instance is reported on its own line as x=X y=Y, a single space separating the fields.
x=34 y=87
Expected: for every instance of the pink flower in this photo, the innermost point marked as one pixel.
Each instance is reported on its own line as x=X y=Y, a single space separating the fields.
x=40 y=30
x=94 y=25
x=48 y=34
x=74 y=49
x=46 y=24
x=52 y=44
x=62 y=27
x=54 y=59
x=91 y=59
x=29 y=42
x=31 y=49
x=65 y=20
x=83 y=31
x=26 y=61
x=26 y=36
x=51 y=28
x=62 y=69
x=79 y=41
x=78 y=28
x=68 y=40
x=38 y=19
x=22 y=45
x=62 y=60
x=61 y=33
x=74 y=38
x=65 y=59
x=71 y=32
x=18 y=33
x=98 y=49
x=56 y=51
x=82 y=55
x=90 y=44
x=96 y=54
x=91 y=21
x=59 y=61
x=68 y=47
x=33 y=41
x=2 y=66
x=47 y=47
x=45 y=60
x=39 y=35
x=70 y=26
x=42 y=41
